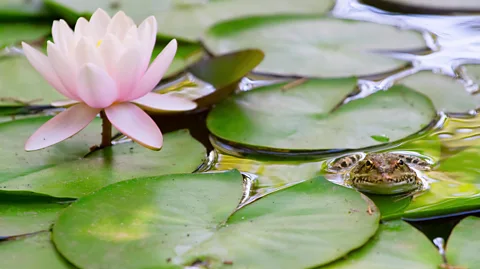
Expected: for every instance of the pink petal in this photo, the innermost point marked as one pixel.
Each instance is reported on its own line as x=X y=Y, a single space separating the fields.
x=64 y=68
x=64 y=103
x=99 y=23
x=82 y=28
x=147 y=33
x=61 y=127
x=156 y=71
x=164 y=103
x=62 y=35
x=41 y=63
x=87 y=53
x=119 y=25
x=127 y=72
x=136 y=124
x=111 y=49
x=95 y=87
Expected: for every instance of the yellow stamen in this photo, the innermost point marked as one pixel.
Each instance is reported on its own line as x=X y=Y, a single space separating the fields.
x=99 y=42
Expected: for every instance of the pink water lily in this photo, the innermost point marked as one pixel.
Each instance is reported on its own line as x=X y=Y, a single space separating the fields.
x=103 y=65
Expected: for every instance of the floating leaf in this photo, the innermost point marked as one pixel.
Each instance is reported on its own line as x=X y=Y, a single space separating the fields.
x=63 y=171
x=464 y=243
x=427 y=6
x=187 y=20
x=23 y=214
x=214 y=78
x=187 y=54
x=300 y=118
x=21 y=9
x=33 y=251
x=151 y=227
x=21 y=85
x=397 y=245
x=381 y=138
x=446 y=93
x=14 y=33
x=313 y=46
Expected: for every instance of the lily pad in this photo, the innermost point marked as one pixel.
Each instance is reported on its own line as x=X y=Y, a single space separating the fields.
x=211 y=80
x=446 y=93
x=23 y=214
x=301 y=118
x=63 y=170
x=13 y=33
x=21 y=84
x=33 y=251
x=21 y=9
x=187 y=54
x=464 y=243
x=397 y=245
x=313 y=46
x=188 y=19
x=427 y=6
x=151 y=227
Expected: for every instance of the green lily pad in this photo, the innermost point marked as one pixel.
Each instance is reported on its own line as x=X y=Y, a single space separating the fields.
x=300 y=118
x=187 y=54
x=213 y=79
x=397 y=245
x=63 y=171
x=313 y=46
x=33 y=251
x=150 y=227
x=455 y=189
x=21 y=9
x=14 y=33
x=21 y=84
x=427 y=6
x=23 y=215
x=187 y=20
x=446 y=93
x=464 y=243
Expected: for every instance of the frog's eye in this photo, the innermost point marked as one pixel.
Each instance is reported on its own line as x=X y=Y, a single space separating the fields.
x=368 y=163
x=400 y=162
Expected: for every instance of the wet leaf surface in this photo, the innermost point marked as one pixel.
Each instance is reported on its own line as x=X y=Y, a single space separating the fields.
x=149 y=218
x=35 y=251
x=21 y=85
x=313 y=46
x=300 y=118
x=63 y=171
x=24 y=214
x=187 y=20
x=446 y=93
x=464 y=243
x=211 y=80
x=396 y=245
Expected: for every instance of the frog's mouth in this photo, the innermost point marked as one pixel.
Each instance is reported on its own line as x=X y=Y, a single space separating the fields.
x=383 y=186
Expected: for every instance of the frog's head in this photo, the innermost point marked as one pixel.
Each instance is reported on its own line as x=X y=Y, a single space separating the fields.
x=383 y=174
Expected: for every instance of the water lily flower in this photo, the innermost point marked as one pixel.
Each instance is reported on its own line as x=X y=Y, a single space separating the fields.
x=103 y=66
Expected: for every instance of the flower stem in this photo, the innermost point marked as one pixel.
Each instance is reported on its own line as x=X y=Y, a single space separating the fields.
x=106 y=130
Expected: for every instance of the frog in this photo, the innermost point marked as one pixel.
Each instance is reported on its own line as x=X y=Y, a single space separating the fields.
x=381 y=173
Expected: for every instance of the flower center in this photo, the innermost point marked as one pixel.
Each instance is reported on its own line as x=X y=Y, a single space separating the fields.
x=99 y=42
